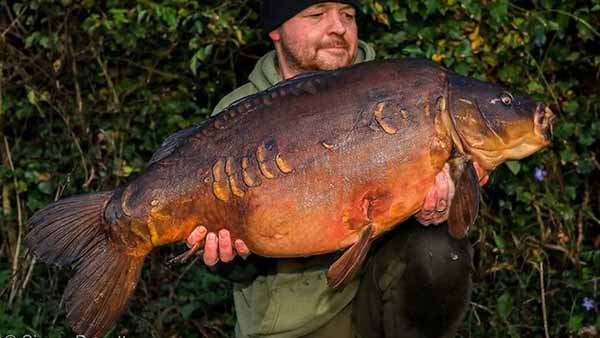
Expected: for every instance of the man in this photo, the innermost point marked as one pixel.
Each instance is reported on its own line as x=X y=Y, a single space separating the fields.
x=417 y=282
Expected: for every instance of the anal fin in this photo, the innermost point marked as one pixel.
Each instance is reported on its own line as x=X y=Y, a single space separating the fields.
x=346 y=267
x=465 y=204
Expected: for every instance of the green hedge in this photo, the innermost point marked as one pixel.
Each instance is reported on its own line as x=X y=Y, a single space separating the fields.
x=89 y=88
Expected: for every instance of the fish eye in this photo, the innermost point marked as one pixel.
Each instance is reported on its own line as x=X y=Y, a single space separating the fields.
x=506 y=99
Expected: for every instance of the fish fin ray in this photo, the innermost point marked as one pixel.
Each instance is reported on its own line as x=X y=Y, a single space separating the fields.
x=73 y=232
x=253 y=101
x=187 y=254
x=346 y=267
x=465 y=204
x=54 y=229
x=100 y=290
x=171 y=143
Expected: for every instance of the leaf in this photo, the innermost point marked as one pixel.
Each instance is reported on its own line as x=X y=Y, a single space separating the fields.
x=239 y=36
x=432 y=6
x=499 y=241
x=571 y=192
x=535 y=87
x=45 y=187
x=575 y=323
x=194 y=64
x=413 y=50
x=188 y=309
x=4 y=277
x=413 y=6
x=504 y=305
x=399 y=15
x=570 y=106
x=514 y=166
x=472 y=7
x=32 y=97
x=119 y=15
x=462 y=68
x=568 y=155
x=509 y=73
x=205 y=52
x=499 y=11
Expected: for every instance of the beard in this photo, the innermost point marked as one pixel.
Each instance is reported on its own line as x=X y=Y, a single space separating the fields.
x=304 y=59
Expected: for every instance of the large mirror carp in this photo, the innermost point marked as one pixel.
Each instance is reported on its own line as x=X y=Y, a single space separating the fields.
x=319 y=163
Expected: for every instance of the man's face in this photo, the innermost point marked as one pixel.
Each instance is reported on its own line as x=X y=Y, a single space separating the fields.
x=321 y=37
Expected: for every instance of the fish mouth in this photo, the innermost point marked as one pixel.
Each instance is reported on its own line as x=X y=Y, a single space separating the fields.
x=543 y=120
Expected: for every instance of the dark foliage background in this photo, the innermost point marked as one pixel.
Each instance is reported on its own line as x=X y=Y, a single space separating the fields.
x=89 y=88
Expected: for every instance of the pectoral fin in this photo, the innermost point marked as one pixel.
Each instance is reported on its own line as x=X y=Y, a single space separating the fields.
x=182 y=258
x=345 y=268
x=465 y=204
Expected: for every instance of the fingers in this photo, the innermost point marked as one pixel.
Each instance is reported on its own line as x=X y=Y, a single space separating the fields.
x=211 y=256
x=217 y=248
x=445 y=187
x=484 y=180
x=241 y=248
x=226 y=254
x=196 y=236
x=437 y=201
x=481 y=173
x=430 y=199
x=442 y=192
x=425 y=220
x=425 y=215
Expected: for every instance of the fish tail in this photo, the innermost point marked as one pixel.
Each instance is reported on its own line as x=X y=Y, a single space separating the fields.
x=72 y=232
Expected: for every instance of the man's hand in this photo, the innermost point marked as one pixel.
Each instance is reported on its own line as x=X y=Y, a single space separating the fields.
x=437 y=202
x=217 y=249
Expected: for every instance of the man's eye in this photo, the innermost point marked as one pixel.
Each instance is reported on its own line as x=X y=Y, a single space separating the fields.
x=315 y=15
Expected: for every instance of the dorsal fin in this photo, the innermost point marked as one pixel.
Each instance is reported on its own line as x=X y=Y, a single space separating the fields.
x=242 y=106
x=282 y=88
x=171 y=143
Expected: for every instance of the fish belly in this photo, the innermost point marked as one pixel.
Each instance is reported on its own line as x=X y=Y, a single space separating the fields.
x=319 y=213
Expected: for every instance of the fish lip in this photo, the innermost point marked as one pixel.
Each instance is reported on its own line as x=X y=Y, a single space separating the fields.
x=543 y=120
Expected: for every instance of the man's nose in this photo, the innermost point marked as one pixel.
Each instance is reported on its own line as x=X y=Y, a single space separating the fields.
x=336 y=24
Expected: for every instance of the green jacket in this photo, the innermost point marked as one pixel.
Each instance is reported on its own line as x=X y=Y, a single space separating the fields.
x=295 y=300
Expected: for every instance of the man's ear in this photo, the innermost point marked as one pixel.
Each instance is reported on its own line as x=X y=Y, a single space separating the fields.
x=274 y=35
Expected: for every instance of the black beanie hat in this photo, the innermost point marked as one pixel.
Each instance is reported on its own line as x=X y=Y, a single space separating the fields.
x=273 y=13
